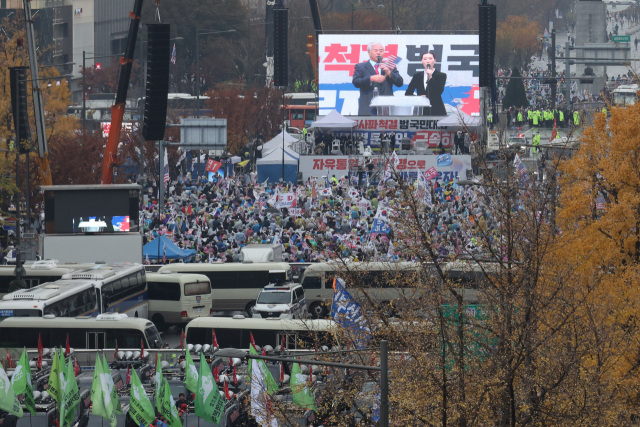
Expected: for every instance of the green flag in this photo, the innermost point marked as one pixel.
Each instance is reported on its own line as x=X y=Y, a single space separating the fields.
x=168 y=408
x=100 y=395
x=70 y=396
x=272 y=386
x=140 y=407
x=209 y=404
x=302 y=395
x=158 y=388
x=53 y=388
x=115 y=397
x=8 y=398
x=190 y=374
x=21 y=382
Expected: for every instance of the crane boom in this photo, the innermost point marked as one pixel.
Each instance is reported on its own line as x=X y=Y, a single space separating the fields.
x=38 y=106
x=117 y=111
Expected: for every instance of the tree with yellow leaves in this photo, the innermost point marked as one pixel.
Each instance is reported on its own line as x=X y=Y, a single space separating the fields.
x=516 y=41
x=55 y=94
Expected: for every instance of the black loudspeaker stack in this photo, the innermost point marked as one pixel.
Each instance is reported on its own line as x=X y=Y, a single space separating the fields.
x=158 y=60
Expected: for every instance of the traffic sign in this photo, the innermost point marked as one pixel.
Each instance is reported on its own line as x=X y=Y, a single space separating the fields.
x=617 y=39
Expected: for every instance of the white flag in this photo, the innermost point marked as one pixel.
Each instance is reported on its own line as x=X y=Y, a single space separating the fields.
x=261 y=408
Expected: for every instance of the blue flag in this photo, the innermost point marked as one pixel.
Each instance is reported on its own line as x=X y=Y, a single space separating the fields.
x=379 y=226
x=346 y=312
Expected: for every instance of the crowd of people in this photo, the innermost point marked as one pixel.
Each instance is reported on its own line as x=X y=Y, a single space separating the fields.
x=324 y=220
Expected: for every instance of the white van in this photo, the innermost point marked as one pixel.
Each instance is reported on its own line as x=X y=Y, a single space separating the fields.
x=285 y=301
x=176 y=298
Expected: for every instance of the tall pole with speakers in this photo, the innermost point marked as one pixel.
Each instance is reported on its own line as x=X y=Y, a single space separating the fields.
x=281 y=59
x=157 y=89
x=487 y=44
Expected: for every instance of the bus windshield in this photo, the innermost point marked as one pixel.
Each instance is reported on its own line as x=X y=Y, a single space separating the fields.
x=274 y=298
x=153 y=337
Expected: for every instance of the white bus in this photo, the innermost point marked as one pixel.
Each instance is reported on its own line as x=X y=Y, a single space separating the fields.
x=383 y=281
x=37 y=273
x=236 y=286
x=176 y=298
x=84 y=332
x=235 y=332
x=117 y=288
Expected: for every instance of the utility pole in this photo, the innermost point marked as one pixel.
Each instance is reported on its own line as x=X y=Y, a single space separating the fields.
x=567 y=79
x=84 y=91
x=554 y=84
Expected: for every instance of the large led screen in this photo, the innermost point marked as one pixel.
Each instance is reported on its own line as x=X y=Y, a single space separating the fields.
x=353 y=66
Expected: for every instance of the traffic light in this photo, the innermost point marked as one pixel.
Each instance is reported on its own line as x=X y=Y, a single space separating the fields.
x=18 y=83
x=487 y=39
x=311 y=51
x=158 y=59
x=281 y=47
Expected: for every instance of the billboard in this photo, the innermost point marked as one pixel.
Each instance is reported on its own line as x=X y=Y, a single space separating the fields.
x=348 y=74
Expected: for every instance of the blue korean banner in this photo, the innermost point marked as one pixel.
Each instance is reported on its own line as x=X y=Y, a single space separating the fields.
x=444 y=160
x=346 y=312
x=379 y=226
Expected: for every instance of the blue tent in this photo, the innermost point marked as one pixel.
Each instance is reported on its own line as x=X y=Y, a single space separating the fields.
x=271 y=166
x=156 y=247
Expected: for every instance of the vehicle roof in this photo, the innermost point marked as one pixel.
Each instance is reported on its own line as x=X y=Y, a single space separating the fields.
x=227 y=266
x=39 y=293
x=102 y=271
x=363 y=266
x=82 y=322
x=275 y=324
x=166 y=277
x=281 y=287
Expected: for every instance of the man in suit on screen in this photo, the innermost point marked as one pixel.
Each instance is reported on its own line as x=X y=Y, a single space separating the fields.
x=374 y=74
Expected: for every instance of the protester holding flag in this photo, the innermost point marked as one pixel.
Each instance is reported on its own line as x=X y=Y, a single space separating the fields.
x=21 y=382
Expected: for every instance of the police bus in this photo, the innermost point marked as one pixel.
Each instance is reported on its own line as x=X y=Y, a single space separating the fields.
x=36 y=273
x=235 y=332
x=115 y=288
x=84 y=332
x=236 y=285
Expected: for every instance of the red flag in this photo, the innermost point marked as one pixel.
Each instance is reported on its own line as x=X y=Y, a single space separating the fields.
x=67 y=350
x=182 y=337
x=284 y=342
x=264 y=353
x=281 y=372
x=235 y=379
x=142 y=349
x=310 y=373
x=253 y=342
x=216 y=377
x=40 y=349
x=554 y=133
x=127 y=379
x=10 y=360
x=76 y=367
x=215 y=340
x=230 y=362
x=226 y=390
x=115 y=355
x=189 y=211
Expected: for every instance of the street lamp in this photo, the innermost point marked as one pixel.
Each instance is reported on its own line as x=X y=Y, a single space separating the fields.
x=353 y=8
x=198 y=34
x=384 y=380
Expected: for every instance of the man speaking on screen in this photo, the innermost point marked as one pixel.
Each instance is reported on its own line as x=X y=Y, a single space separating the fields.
x=373 y=74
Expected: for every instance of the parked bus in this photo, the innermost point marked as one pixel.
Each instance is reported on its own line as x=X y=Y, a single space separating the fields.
x=378 y=277
x=176 y=298
x=84 y=332
x=37 y=273
x=236 y=286
x=384 y=281
x=235 y=332
x=118 y=288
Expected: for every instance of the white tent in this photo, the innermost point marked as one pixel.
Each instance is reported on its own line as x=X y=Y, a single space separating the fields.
x=334 y=120
x=271 y=166
x=276 y=142
x=459 y=119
